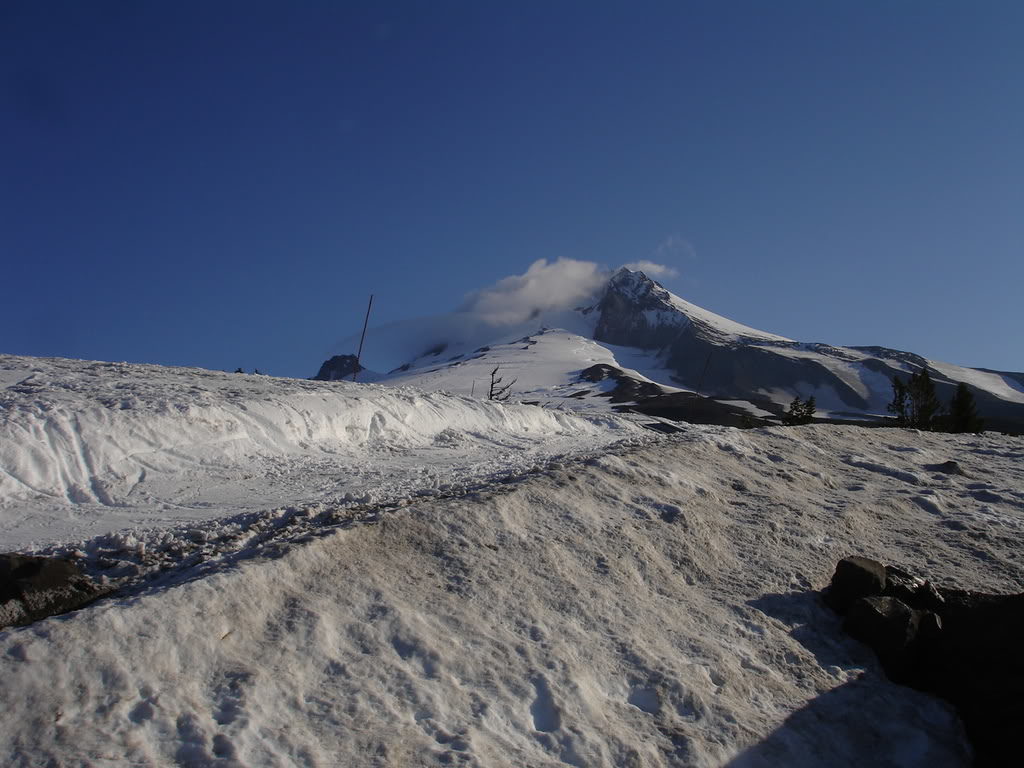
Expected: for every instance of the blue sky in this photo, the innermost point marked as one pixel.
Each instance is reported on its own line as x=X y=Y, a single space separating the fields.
x=223 y=184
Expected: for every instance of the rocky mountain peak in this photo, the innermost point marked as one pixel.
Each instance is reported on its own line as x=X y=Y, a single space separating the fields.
x=636 y=287
x=636 y=311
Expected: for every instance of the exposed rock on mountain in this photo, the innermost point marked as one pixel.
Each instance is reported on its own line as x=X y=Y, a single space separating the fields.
x=337 y=368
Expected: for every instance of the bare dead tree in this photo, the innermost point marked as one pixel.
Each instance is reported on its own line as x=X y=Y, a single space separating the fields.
x=497 y=391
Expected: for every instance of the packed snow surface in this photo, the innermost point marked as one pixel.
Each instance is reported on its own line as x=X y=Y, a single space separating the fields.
x=88 y=448
x=649 y=607
x=649 y=603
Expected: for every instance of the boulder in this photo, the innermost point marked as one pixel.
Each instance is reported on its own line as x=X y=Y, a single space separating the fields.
x=917 y=593
x=889 y=627
x=961 y=645
x=338 y=367
x=32 y=588
x=855 y=577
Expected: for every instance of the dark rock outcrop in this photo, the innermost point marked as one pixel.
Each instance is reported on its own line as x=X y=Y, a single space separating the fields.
x=338 y=367
x=963 y=646
x=32 y=588
x=889 y=626
x=855 y=577
x=627 y=389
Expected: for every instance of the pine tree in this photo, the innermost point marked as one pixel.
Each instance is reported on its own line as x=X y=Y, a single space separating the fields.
x=900 y=406
x=800 y=412
x=924 y=405
x=963 y=415
x=809 y=408
x=789 y=418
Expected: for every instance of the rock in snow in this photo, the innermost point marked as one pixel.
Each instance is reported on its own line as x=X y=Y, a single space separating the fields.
x=32 y=588
x=964 y=646
x=338 y=368
x=855 y=577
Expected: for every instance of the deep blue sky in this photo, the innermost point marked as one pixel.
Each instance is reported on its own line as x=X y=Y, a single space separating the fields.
x=222 y=184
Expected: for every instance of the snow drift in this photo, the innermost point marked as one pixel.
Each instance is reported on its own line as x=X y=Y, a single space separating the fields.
x=87 y=447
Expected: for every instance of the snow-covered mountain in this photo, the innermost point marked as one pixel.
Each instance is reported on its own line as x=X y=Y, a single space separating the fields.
x=657 y=352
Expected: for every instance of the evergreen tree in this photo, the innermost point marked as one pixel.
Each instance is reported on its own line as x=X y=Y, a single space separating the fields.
x=963 y=415
x=800 y=412
x=790 y=416
x=924 y=405
x=900 y=405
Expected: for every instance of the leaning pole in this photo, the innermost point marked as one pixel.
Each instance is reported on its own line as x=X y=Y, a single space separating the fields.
x=359 y=354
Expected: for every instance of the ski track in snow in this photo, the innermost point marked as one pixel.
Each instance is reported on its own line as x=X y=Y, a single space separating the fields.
x=640 y=605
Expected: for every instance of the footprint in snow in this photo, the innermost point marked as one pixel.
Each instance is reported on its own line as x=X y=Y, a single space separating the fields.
x=645 y=699
x=145 y=709
x=545 y=713
x=412 y=649
x=230 y=696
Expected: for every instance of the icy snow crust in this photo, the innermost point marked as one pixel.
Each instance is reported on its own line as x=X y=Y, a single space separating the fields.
x=90 y=448
x=650 y=606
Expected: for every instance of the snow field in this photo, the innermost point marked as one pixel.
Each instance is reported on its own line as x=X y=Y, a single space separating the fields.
x=91 y=448
x=647 y=607
x=545 y=365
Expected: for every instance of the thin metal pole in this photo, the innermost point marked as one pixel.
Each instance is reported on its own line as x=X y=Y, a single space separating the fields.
x=359 y=354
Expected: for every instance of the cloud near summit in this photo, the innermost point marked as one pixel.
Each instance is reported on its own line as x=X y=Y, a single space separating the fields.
x=561 y=284
x=652 y=269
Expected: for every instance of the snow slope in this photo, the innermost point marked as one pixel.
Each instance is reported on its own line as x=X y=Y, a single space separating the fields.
x=662 y=307
x=651 y=606
x=88 y=448
x=545 y=365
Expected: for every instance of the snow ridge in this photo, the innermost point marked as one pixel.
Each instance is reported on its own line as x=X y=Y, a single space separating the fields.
x=122 y=445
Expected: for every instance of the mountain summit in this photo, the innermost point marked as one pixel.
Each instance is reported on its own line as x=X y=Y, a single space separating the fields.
x=637 y=345
x=636 y=311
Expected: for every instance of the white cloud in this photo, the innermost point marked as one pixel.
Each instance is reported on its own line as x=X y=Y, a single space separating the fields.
x=563 y=284
x=672 y=250
x=651 y=269
x=675 y=248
